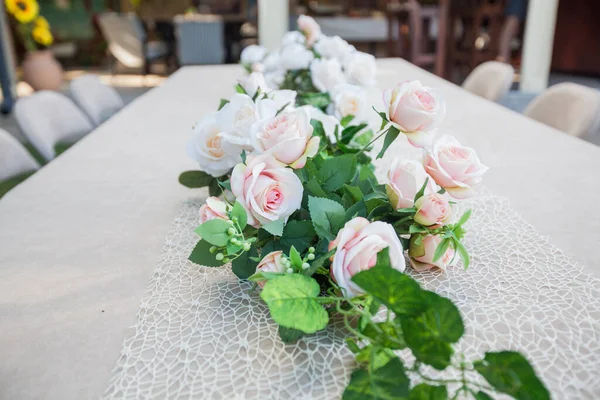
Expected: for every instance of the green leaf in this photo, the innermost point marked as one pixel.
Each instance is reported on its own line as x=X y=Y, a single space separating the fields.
x=214 y=189
x=318 y=262
x=441 y=249
x=337 y=171
x=428 y=392
x=465 y=217
x=289 y=335
x=195 y=179
x=430 y=334
x=509 y=372
x=240 y=89
x=202 y=256
x=240 y=213
x=327 y=216
x=399 y=292
x=482 y=396
x=214 y=232
x=318 y=99
x=383 y=258
x=354 y=191
x=299 y=234
x=350 y=132
x=387 y=382
x=275 y=228
x=463 y=253
x=292 y=302
x=314 y=188
x=295 y=258
x=222 y=103
x=391 y=330
x=421 y=191
x=346 y=120
x=243 y=266
x=391 y=135
x=264 y=276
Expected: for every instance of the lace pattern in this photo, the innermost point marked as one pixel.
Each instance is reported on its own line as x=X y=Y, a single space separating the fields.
x=201 y=334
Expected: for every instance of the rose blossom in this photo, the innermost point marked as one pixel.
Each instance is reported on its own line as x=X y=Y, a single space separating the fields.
x=283 y=98
x=360 y=68
x=421 y=256
x=333 y=47
x=296 y=56
x=254 y=83
x=271 y=263
x=292 y=37
x=268 y=191
x=212 y=209
x=348 y=100
x=288 y=137
x=310 y=28
x=358 y=243
x=454 y=167
x=406 y=178
x=415 y=110
x=326 y=74
x=330 y=124
x=215 y=155
x=253 y=54
x=433 y=209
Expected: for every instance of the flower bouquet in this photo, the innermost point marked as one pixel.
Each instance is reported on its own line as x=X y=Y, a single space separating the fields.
x=303 y=216
x=33 y=28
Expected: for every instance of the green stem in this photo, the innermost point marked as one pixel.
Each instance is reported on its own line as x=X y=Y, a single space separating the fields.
x=371 y=142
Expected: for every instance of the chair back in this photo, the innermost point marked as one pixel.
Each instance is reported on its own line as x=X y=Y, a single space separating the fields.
x=97 y=100
x=125 y=37
x=14 y=159
x=47 y=118
x=200 y=39
x=491 y=80
x=569 y=107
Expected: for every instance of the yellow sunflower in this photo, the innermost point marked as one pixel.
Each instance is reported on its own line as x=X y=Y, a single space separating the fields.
x=24 y=11
x=42 y=35
x=42 y=22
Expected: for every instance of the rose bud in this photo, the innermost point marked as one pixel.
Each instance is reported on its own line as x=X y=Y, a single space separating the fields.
x=433 y=209
x=406 y=178
x=421 y=255
x=212 y=209
x=272 y=262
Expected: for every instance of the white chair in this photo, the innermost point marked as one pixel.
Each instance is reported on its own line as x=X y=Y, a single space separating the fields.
x=97 y=100
x=569 y=107
x=127 y=41
x=200 y=39
x=491 y=80
x=14 y=159
x=48 y=119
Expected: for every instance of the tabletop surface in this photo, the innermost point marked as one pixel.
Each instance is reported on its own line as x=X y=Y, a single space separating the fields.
x=80 y=239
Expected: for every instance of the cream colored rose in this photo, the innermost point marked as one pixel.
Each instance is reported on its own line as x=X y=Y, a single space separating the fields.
x=288 y=137
x=358 y=243
x=212 y=209
x=267 y=190
x=253 y=54
x=333 y=47
x=326 y=74
x=348 y=100
x=360 y=68
x=421 y=256
x=254 y=83
x=310 y=28
x=406 y=178
x=295 y=56
x=433 y=210
x=454 y=167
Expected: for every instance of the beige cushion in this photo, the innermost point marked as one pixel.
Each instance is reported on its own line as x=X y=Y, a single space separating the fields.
x=568 y=107
x=14 y=159
x=490 y=80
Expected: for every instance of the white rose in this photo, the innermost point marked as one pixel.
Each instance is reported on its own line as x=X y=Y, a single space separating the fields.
x=360 y=68
x=285 y=100
x=288 y=137
x=333 y=47
x=296 y=56
x=348 y=100
x=406 y=178
x=209 y=149
x=275 y=78
x=310 y=28
x=293 y=37
x=253 y=54
x=326 y=74
x=272 y=62
x=240 y=114
x=330 y=124
x=254 y=83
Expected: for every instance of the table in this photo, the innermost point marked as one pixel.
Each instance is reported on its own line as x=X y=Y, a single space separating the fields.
x=80 y=239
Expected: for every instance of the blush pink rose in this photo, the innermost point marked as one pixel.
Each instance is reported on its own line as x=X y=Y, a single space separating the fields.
x=212 y=209
x=421 y=256
x=288 y=137
x=454 y=167
x=267 y=190
x=433 y=209
x=415 y=110
x=358 y=243
x=406 y=178
x=310 y=28
x=272 y=262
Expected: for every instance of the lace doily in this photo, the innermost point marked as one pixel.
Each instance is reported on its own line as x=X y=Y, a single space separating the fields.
x=201 y=334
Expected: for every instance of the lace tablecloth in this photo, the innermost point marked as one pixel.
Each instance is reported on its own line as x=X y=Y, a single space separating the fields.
x=201 y=334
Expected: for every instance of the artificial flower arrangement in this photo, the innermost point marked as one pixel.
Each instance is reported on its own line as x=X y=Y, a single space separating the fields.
x=33 y=28
x=320 y=235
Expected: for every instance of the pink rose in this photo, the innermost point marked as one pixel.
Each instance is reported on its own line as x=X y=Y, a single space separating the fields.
x=288 y=137
x=406 y=178
x=212 y=209
x=272 y=262
x=421 y=256
x=414 y=110
x=433 y=209
x=454 y=167
x=267 y=190
x=310 y=28
x=358 y=243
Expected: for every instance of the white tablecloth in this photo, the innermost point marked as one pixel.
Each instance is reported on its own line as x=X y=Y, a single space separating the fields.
x=81 y=238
